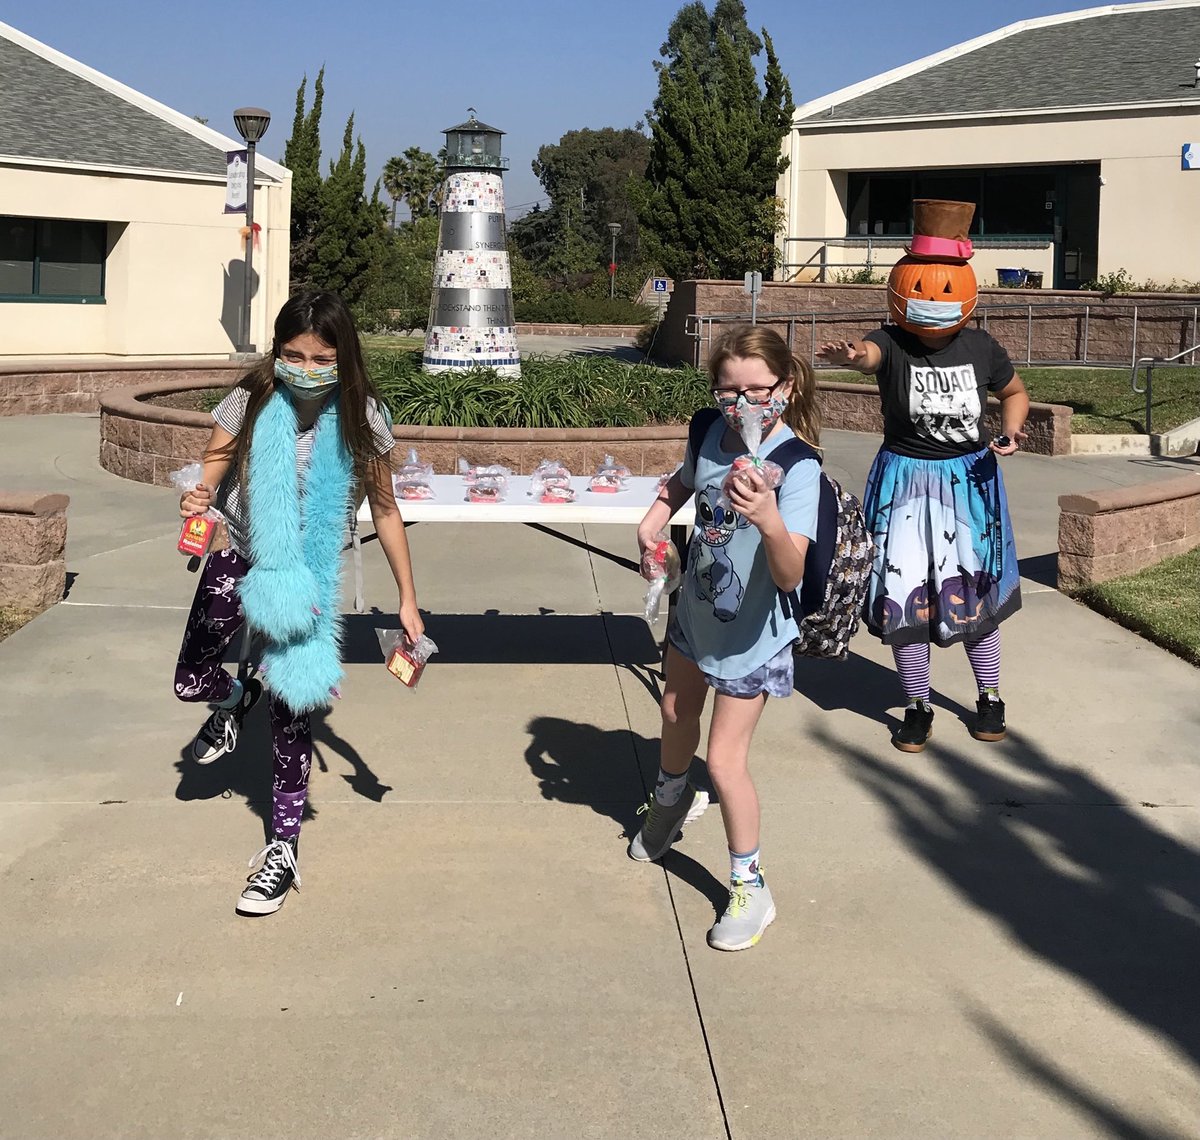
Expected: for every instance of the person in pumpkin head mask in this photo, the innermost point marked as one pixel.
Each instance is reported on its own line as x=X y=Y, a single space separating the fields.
x=945 y=562
x=290 y=446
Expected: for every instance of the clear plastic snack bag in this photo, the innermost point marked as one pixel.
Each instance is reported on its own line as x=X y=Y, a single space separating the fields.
x=405 y=660
x=472 y=473
x=197 y=533
x=551 y=478
x=412 y=480
x=666 y=476
x=610 y=477
x=661 y=567
x=751 y=433
x=487 y=489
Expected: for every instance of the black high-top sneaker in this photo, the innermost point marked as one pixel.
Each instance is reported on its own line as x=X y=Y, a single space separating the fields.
x=989 y=720
x=916 y=729
x=219 y=733
x=267 y=888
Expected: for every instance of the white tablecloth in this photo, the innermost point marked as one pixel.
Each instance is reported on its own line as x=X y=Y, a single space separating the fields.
x=449 y=504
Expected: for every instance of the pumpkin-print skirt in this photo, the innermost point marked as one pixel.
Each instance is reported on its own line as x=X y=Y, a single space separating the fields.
x=945 y=561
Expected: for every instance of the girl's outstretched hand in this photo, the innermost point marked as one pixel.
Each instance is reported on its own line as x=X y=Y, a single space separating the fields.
x=840 y=352
x=753 y=499
x=410 y=622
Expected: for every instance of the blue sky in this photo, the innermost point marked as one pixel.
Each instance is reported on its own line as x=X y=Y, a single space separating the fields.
x=534 y=68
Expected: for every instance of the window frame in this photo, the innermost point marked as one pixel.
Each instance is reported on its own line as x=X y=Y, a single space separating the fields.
x=36 y=298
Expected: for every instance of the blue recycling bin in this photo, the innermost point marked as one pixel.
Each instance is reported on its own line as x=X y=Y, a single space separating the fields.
x=1011 y=278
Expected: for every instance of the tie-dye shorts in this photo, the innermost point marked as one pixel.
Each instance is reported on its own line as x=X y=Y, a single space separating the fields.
x=774 y=678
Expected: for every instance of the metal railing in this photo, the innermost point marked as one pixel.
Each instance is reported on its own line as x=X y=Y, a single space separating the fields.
x=1151 y=363
x=700 y=326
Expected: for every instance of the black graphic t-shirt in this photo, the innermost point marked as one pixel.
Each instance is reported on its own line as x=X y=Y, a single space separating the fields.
x=934 y=401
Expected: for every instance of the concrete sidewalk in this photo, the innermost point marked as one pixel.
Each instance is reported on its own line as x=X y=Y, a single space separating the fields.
x=981 y=941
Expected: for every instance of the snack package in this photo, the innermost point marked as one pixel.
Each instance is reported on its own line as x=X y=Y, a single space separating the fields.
x=610 y=477
x=405 y=660
x=472 y=474
x=197 y=533
x=487 y=489
x=558 y=493
x=665 y=478
x=549 y=473
x=751 y=432
x=411 y=481
x=661 y=567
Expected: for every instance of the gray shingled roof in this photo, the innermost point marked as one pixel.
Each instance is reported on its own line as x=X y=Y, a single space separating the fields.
x=1123 y=57
x=49 y=113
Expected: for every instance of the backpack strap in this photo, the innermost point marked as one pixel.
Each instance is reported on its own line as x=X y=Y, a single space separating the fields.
x=809 y=597
x=699 y=427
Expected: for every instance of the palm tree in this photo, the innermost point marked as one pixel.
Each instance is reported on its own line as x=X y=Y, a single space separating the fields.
x=414 y=177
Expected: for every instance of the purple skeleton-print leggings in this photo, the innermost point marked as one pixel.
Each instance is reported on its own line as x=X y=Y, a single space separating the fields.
x=215 y=620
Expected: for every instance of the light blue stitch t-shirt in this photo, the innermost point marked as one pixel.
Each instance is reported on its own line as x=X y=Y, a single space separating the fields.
x=728 y=608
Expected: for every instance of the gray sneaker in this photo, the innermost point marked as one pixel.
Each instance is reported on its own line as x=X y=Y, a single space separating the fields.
x=750 y=911
x=663 y=825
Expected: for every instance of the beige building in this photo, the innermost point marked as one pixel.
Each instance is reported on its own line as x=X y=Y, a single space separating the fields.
x=113 y=237
x=1070 y=133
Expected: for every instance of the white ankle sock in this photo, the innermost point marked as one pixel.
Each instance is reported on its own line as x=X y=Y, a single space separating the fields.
x=745 y=868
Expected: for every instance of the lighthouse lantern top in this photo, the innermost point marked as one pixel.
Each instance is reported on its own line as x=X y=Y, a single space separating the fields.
x=474 y=145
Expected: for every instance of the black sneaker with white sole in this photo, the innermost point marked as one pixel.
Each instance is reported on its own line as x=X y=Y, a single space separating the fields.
x=267 y=888
x=220 y=732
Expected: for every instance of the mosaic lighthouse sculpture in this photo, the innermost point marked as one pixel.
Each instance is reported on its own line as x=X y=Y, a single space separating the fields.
x=471 y=314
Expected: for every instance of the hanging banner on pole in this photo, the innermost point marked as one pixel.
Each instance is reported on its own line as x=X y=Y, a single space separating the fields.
x=235 y=182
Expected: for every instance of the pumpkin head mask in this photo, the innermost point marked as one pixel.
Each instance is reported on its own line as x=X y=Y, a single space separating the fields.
x=933 y=289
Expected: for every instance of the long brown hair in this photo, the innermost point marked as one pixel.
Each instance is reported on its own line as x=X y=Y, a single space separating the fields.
x=326 y=316
x=743 y=342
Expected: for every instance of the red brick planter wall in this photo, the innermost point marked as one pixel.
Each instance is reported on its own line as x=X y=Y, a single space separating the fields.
x=65 y=387
x=1106 y=534
x=146 y=442
x=33 y=541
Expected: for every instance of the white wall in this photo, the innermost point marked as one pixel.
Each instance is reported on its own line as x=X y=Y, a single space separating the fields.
x=166 y=277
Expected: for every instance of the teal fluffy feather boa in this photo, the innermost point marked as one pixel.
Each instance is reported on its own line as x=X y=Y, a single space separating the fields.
x=291 y=592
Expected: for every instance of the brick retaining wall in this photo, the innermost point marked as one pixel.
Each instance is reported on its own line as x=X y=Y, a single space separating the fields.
x=33 y=542
x=65 y=387
x=1106 y=534
x=852 y=310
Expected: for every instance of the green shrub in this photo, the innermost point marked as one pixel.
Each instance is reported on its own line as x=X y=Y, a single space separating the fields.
x=552 y=391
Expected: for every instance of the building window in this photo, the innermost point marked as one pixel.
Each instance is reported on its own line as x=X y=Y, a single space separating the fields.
x=51 y=259
x=1012 y=203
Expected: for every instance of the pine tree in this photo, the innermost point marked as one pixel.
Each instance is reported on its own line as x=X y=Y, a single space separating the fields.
x=708 y=206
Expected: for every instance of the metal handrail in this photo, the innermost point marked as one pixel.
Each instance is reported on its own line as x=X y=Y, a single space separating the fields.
x=1151 y=363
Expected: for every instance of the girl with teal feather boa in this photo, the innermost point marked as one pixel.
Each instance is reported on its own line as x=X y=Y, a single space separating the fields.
x=289 y=446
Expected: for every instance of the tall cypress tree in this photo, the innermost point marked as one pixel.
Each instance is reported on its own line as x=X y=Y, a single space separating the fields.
x=709 y=200
x=302 y=156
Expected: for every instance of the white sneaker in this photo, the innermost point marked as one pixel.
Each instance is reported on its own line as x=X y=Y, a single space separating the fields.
x=750 y=911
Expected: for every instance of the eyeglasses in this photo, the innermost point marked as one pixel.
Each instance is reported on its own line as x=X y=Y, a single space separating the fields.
x=728 y=399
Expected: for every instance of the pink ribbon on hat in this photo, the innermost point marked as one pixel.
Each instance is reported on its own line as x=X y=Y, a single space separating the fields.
x=923 y=245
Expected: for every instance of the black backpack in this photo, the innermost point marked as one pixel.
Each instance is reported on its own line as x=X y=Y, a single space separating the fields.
x=837 y=568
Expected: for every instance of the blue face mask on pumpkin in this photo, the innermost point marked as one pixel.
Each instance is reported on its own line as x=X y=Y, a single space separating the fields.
x=307 y=383
x=933 y=314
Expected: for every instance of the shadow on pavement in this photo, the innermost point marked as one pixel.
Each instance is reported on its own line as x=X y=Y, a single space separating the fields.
x=1084 y=881
x=493 y=638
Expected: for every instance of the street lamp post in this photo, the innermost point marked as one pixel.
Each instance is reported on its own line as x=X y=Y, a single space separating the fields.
x=614 y=228
x=252 y=123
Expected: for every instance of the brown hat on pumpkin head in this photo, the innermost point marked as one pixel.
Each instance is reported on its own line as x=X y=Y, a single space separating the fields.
x=940 y=230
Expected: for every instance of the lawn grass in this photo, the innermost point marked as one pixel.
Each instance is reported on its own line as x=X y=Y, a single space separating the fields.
x=11 y=620
x=382 y=340
x=1102 y=398
x=1162 y=603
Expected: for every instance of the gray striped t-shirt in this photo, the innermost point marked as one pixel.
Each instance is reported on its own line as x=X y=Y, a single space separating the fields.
x=231 y=499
